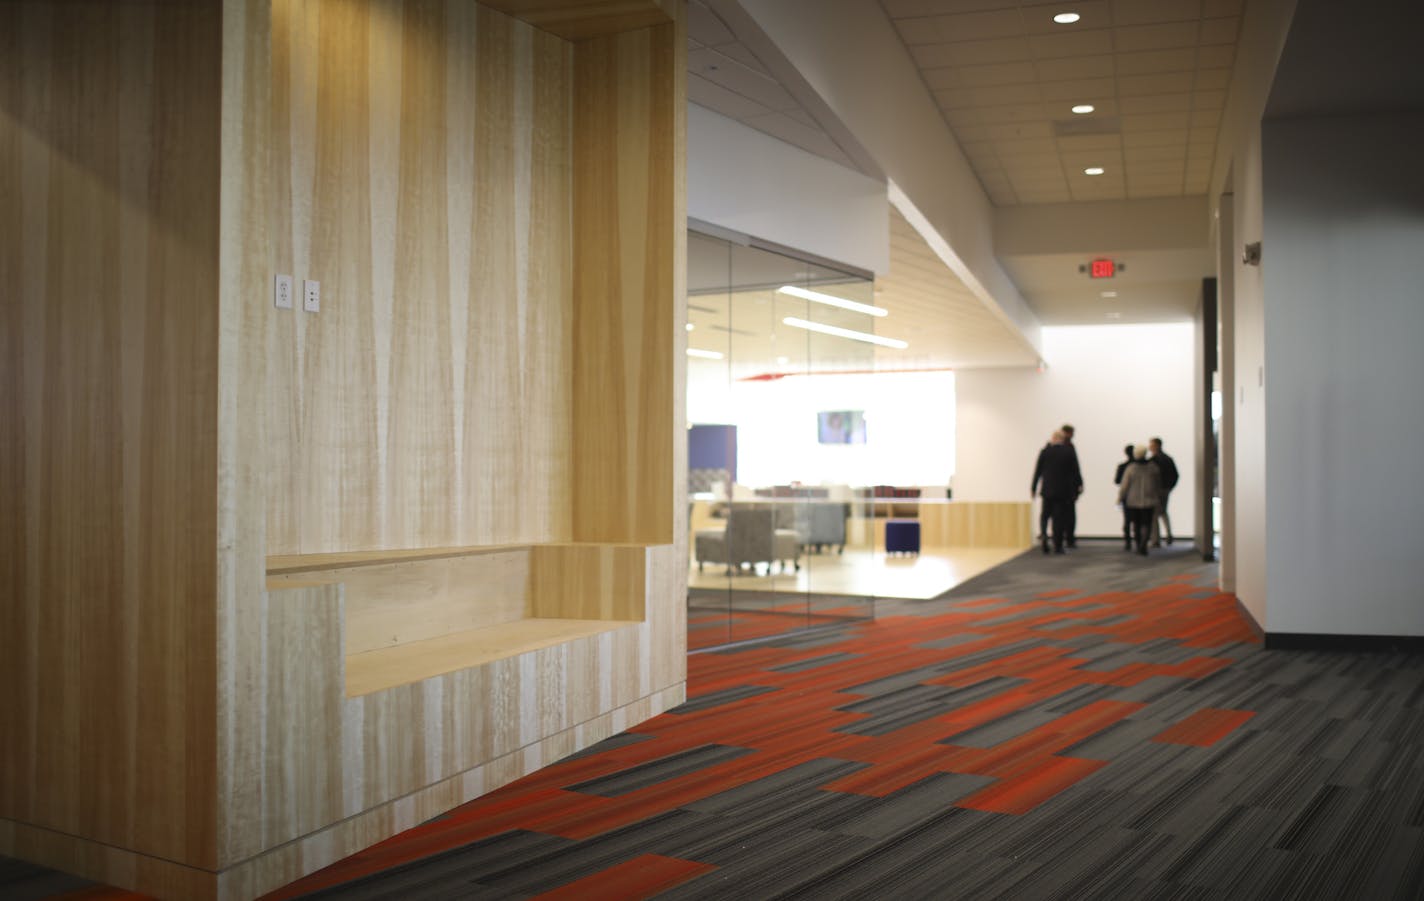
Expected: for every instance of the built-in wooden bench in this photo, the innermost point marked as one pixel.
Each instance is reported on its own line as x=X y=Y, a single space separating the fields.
x=414 y=614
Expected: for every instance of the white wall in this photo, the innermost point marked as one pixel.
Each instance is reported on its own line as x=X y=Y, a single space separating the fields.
x=1116 y=384
x=749 y=182
x=1343 y=265
x=909 y=425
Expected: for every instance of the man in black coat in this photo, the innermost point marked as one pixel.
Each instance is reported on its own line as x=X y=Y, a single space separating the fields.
x=1061 y=480
x=1168 y=470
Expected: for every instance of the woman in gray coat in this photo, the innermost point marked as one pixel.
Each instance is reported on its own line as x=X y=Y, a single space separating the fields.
x=1139 y=493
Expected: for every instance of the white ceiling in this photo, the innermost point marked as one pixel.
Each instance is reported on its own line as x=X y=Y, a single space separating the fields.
x=1006 y=76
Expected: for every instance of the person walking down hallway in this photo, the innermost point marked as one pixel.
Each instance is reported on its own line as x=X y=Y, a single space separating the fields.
x=1139 y=493
x=1126 y=518
x=1167 y=469
x=1057 y=479
x=1070 y=529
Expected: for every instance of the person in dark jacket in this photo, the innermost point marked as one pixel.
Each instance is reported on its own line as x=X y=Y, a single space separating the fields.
x=1167 y=469
x=1139 y=492
x=1126 y=520
x=1057 y=479
x=1070 y=529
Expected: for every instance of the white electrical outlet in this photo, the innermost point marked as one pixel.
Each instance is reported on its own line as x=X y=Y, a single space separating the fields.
x=282 y=292
x=311 y=296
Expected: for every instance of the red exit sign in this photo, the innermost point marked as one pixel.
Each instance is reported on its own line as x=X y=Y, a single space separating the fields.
x=1102 y=269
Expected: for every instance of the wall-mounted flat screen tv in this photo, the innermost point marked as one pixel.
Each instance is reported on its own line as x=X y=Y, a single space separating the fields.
x=841 y=426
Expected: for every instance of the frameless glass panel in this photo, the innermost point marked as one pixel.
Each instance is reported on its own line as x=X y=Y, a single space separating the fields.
x=712 y=441
x=770 y=521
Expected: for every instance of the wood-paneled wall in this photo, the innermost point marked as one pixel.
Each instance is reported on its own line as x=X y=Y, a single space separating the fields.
x=421 y=165
x=167 y=429
x=109 y=143
x=626 y=129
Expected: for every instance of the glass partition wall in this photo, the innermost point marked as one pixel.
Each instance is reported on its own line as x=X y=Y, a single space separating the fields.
x=771 y=455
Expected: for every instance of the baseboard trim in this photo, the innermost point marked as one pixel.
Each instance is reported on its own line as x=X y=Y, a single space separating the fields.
x=1313 y=641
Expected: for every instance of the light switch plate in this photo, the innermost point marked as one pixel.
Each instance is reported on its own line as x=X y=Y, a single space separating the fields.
x=282 y=292
x=311 y=296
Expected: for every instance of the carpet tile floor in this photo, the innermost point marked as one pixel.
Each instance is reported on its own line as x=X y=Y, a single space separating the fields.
x=1088 y=726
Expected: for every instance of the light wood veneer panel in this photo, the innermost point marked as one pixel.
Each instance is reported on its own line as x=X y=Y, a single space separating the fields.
x=973 y=524
x=421 y=172
x=578 y=20
x=627 y=107
x=588 y=582
x=109 y=143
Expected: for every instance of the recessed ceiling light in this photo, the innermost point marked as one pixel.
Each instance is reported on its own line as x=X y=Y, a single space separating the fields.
x=703 y=354
x=782 y=361
x=690 y=326
x=1109 y=294
x=1066 y=18
x=1084 y=108
x=1093 y=170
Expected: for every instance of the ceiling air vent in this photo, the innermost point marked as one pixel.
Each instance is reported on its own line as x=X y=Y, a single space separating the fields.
x=1096 y=125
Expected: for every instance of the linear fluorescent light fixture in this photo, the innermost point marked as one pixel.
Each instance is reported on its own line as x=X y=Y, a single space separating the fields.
x=704 y=354
x=852 y=334
x=831 y=300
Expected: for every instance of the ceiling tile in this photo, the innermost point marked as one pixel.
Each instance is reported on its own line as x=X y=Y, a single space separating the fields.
x=996 y=50
x=1164 y=83
x=1220 y=31
x=1000 y=74
x=1202 y=134
x=1020 y=146
x=1155 y=37
x=1218 y=57
x=1176 y=153
x=1075 y=68
x=1156 y=103
x=899 y=9
x=1146 y=12
x=943 y=79
x=1151 y=61
x=1026 y=117
x=1078 y=143
x=1206 y=118
x=1194 y=186
x=1163 y=169
x=1137 y=190
x=1196 y=170
x=1209 y=100
x=704 y=26
x=922 y=30
x=1213 y=79
x=1045 y=196
x=1010 y=131
x=980 y=153
x=1197 y=151
x=1078 y=91
x=980 y=25
x=1154 y=122
x=1165 y=138
x=1077 y=43
x=971 y=134
x=1019 y=164
x=1213 y=8
x=1077 y=161
x=718 y=99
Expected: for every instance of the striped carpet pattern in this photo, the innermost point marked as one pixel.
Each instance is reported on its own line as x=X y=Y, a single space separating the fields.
x=1089 y=726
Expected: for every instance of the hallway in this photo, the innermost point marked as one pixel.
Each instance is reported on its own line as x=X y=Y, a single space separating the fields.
x=1089 y=726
